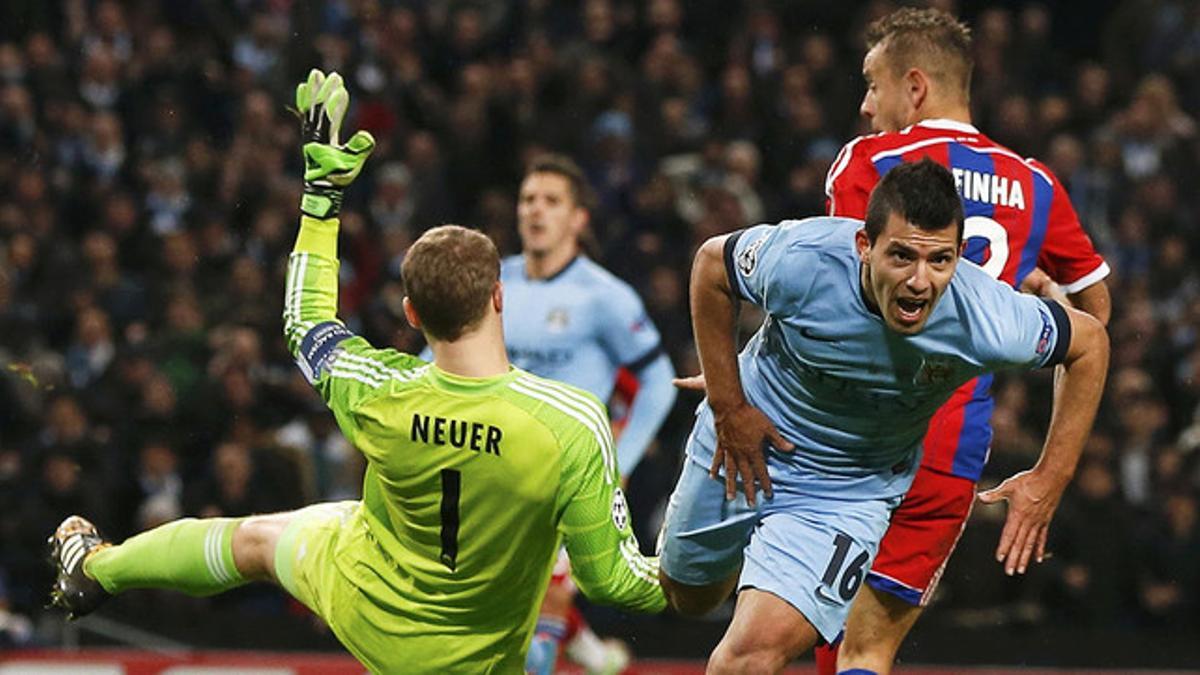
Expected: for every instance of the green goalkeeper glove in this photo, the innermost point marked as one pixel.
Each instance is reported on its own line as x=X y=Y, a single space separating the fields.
x=328 y=165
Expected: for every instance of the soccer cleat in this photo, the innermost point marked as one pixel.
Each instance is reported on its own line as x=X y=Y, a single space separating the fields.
x=74 y=591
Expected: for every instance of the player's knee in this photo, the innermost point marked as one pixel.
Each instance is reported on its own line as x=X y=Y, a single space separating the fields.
x=730 y=658
x=253 y=545
x=694 y=601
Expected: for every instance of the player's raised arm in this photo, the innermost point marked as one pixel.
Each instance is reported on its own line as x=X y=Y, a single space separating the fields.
x=606 y=562
x=329 y=168
x=1033 y=495
x=342 y=366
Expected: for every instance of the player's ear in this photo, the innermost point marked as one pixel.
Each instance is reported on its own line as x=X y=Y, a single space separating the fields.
x=410 y=313
x=916 y=86
x=498 y=297
x=862 y=243
x=580 y=220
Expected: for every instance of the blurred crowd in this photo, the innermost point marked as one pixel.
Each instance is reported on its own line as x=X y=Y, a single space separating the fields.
x=151 y=174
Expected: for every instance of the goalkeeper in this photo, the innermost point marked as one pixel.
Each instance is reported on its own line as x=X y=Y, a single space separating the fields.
x=476 y=470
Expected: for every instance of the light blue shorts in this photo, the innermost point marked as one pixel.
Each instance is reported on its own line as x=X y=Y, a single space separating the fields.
x=812 y=551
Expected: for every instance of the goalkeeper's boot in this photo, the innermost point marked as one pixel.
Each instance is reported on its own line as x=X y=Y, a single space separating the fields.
x=74 y=540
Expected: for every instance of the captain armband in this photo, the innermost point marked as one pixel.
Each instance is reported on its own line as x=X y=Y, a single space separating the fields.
x=318 y=348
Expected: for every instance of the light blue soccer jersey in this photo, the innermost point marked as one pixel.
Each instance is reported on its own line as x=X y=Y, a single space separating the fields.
x=853 y=396
x=578 y=326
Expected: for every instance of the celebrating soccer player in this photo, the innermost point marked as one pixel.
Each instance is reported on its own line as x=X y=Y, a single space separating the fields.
x=476 y=470
x=871 y=326
x=1019 y=221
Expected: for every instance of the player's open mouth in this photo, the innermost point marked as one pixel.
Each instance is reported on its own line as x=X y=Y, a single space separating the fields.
x=909 y=309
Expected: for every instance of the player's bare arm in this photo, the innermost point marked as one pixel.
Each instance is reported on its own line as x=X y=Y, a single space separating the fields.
x=1094 y=300
x=1033 y=495
x=741 y=428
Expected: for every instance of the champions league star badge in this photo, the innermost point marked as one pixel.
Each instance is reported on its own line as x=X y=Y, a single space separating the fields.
x=620 y=510
x=748 y=259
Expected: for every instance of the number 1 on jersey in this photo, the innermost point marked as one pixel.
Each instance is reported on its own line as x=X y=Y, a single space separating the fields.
x=451 y=490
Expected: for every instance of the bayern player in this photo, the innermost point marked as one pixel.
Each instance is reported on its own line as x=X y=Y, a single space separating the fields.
x=1018 y=219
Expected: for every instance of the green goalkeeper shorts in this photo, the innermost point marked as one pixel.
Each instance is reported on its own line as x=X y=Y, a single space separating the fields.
x=383 y=628
x=304 y=565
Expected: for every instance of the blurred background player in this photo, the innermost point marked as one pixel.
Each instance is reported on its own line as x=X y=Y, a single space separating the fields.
x=477 y=471
x=569 y=319
x=1019 y=221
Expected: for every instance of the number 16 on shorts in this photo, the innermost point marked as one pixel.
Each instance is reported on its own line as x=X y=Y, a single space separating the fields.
x=848 y=566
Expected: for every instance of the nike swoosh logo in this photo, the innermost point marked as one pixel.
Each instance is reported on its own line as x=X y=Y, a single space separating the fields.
x=820 y=593
x=807 y=332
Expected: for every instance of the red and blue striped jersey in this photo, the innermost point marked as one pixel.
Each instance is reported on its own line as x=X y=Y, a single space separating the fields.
x=1018 y=216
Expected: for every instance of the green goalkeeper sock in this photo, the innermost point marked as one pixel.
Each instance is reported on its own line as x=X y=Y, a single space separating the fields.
x=189 y=555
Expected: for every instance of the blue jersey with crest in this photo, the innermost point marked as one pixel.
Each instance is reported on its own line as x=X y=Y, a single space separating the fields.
x=854 y=396
x=578 y=326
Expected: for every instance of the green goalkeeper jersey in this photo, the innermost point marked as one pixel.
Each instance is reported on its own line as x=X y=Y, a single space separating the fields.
x=472 y=483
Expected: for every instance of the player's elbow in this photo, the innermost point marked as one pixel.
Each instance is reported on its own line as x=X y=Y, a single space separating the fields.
x=711 y=251
x=1089 y=341
x=708 y=268
x=1095 y=300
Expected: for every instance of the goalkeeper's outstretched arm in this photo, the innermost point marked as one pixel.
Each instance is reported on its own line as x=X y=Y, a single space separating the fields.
x=311 y=295
x=342 y=366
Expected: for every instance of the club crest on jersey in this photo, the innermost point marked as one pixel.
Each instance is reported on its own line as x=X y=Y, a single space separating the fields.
x=747 y=260
x=557 y=320
x=936 y=369
x=620 y=510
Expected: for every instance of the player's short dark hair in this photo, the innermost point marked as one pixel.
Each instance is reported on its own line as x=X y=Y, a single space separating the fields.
x=449 y=273
x=561 y=165
x=929 y=39
x=921 y=192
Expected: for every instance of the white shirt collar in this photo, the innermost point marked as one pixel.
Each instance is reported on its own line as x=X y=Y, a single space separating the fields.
x=950 y=125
